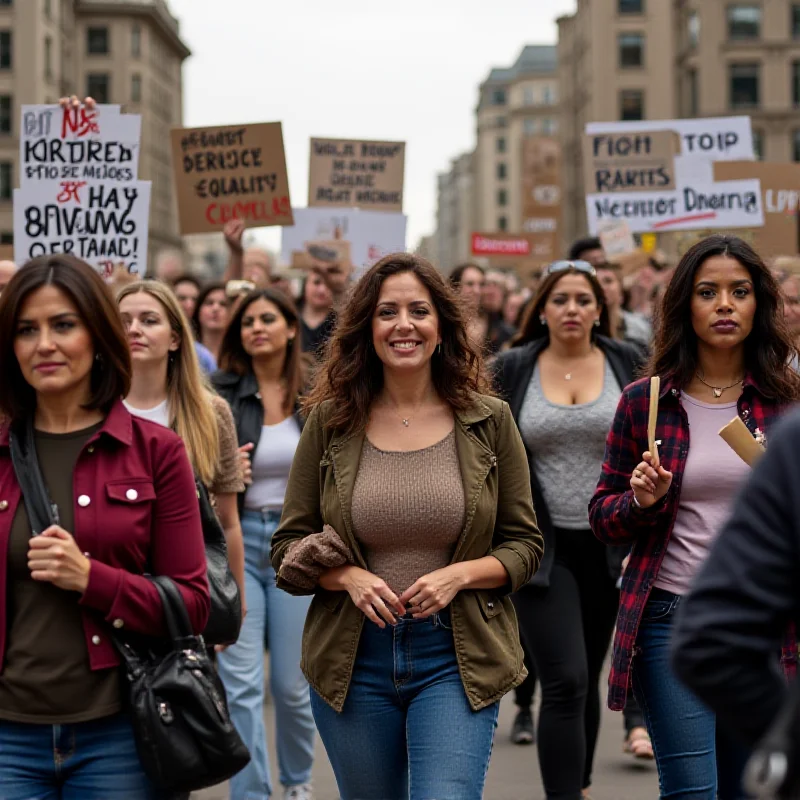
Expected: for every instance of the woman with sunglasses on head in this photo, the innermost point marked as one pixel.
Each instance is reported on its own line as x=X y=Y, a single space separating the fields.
x=260 y=376
x=722 y=350
x=563 y=379
x=211 y=316
x=167 y=387
x=123 y=494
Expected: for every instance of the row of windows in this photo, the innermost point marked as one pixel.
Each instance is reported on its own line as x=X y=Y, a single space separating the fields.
x=530 y=97
x=98 y=86
x=98 y=41
x=744 y=21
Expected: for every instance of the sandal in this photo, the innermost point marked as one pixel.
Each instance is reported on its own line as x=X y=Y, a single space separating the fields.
x=638 y=744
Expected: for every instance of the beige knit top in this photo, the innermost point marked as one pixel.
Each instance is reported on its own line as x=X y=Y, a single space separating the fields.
x=408 y=510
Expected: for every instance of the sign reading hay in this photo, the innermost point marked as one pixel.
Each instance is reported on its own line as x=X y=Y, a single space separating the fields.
x=230 y=172
x=348 y=173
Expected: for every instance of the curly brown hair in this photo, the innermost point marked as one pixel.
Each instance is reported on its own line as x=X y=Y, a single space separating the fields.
x=352 y=374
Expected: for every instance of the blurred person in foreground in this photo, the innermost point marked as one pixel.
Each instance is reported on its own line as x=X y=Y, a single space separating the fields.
x=730 y=629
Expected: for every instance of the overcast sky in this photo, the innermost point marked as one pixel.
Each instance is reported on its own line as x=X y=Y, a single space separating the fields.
x=356 y=69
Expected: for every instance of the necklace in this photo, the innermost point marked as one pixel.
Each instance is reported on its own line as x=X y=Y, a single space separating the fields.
x=406 y=420
x=717 y=390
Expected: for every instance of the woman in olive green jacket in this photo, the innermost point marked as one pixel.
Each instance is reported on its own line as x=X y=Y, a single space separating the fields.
x=408 y=507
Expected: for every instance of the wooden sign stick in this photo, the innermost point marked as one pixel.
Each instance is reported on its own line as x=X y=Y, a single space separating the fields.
x=741 y=441
x=655 y=391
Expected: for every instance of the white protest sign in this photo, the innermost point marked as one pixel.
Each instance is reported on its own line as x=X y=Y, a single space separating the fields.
x=102 y=222
x=697 y=202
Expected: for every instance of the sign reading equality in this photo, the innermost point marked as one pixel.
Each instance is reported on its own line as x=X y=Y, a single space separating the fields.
x=230 y=172
x=350 y=173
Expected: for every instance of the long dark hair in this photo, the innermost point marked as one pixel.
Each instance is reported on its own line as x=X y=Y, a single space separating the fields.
x=533 y=328
x=111 y=369
x=201 y=298
x=352 y=373
x=768 y=349
x=234 y=358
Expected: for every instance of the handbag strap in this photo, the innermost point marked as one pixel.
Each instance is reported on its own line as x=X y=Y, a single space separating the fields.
x=177 y=617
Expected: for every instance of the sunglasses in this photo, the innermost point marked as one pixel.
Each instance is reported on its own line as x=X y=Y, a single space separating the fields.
x=564 y=266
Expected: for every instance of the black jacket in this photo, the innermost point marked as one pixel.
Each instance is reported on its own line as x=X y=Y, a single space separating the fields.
x=241 y=392
x=746 y=595
x=513 y=372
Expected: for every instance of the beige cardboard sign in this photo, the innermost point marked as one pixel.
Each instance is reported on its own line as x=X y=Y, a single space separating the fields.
x=541 y=189
x=780 y=194
x=616 y=238
x=230 y=172
x=350 y=173
x=630 y=162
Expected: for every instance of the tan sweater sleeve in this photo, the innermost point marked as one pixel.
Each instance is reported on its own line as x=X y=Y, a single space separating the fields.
x=228 y=477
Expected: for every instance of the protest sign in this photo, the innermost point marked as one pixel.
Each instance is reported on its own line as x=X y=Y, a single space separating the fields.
x=348 y=173
x=102 y=222
x=616 y=238
x=780 y=192
x=697 y=201
x=513 y=249
x=541 y=192
x=230 y=172
x=630 y=162
x=321 y=235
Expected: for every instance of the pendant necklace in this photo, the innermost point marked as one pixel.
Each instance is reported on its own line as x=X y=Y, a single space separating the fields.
x=407 y=420
x=717 y=390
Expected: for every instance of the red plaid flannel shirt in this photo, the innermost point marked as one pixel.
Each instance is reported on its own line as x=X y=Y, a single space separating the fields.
x=615 y=518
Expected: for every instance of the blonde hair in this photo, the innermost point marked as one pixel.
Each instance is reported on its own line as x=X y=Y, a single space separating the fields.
x=191 y=412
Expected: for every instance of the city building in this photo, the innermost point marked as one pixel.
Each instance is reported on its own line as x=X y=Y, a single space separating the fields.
x=455 y=213
x=664 y=59
x=127 y=52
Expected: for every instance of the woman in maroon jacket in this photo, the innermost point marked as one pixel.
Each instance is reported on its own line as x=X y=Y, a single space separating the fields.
x=126 y=502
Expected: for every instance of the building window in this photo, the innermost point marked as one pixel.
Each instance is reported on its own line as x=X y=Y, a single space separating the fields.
x=499 y=97
x=744 y=22
x=758 y=144
x=796 y=20
x=631 y=50
x=549 y=127
x=796 y=146
x=502 y=224
x=693 y=92
x=500 y=122
x=136 y=41
x=6 y=2
x=5 y=113
x=136 y=88
x=693 y=29
x=97 y=41
x=796 y=83
x=98 y=86
x=631 y=6
x=528 y=96
x=529 y=126
x=6 y=182
x=6 y=237
x=501 y=172
x=48 y=58
x=548 y=96
x=502 y=197
x=501 y=144
x=631 y=105
x=744 y=85
x=5 y=49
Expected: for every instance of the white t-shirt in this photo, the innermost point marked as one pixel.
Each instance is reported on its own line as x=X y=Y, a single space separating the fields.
x=271 y=462
x=159 y=413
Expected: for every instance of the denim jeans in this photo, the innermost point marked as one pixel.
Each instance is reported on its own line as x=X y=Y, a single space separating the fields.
x=407 y=729
x=695 y=760
x=241 y=668
x=94 y=760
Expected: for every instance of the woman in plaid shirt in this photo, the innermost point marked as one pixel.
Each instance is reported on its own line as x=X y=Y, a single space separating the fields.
x=722 y=348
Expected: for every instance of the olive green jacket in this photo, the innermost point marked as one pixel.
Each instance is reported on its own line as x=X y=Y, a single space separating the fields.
x=500 y=521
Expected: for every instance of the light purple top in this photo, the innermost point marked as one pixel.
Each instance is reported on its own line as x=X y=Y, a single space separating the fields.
x=712 y=477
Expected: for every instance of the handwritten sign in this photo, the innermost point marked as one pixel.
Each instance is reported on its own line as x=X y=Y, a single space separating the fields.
x=616 y=238
x=231 y=172
x=347 y=173
x=79 y=192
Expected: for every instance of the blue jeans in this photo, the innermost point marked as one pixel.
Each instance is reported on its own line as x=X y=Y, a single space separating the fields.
x=94 y=760
x=241 y=668
x=407 y=730
x=695 y=760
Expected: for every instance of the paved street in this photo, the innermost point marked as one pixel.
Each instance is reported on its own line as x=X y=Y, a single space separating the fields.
x=514 y=772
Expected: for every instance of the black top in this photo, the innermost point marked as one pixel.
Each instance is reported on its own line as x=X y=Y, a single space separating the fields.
x=747 y=593
x=314 y=339
x=513 y=373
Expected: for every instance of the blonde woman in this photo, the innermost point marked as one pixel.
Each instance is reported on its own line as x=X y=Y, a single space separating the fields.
x=167 y=387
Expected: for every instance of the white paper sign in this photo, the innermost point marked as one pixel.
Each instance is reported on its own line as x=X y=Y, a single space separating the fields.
x=102 y=222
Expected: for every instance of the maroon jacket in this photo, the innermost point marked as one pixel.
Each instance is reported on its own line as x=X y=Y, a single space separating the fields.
x=136 y=511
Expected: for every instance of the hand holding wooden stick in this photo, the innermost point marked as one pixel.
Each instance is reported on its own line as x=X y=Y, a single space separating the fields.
x=655 y=391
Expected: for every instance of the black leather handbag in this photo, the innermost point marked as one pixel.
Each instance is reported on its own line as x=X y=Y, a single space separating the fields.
x=225 y=616
x=184 y=735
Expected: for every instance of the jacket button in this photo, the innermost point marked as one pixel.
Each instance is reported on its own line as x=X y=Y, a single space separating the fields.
x=117 y=623
x=95 y=639
x=84 y=500
x=90 y=448
x=490 y=605
x=3 y=505
x=87 y=554
x=131 y=494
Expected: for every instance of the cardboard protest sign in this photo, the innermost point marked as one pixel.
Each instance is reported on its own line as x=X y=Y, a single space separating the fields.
x=79 y=191
x=780 y=192
x=102 y=222
x=541 y=193
x=349 y=173
x=322 y=236
x=230 y=172
x=630 y=162
x=616 y=238
x=513 y=249
x=697 y=201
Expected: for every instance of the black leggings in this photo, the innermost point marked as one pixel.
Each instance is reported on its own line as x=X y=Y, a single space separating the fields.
x=568 y=628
